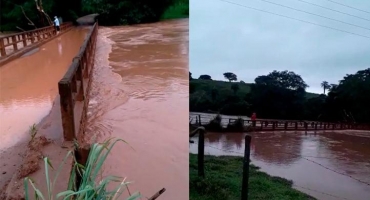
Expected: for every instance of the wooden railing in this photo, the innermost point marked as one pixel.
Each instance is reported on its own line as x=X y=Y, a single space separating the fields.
x=283 y=125
x=12 y=43
x=278 y=125
x=74 y=88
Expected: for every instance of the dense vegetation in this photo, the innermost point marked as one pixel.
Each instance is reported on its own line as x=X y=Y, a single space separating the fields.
x=282 y=95
x=14 y=13
x=224 y=177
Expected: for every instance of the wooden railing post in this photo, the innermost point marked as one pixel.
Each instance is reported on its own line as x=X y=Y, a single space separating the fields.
x=67 y=110
x=2 y=47
x=24 y=40
x=14 y=41
x=247 y=153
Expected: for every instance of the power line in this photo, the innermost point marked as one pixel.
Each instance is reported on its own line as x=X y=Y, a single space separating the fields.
x=349 y=6
x=284 y=6
x=334 y=10
x=328 y=27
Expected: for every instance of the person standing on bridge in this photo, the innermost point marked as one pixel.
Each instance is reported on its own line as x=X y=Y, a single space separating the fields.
x=253 y=118
x=56 y=24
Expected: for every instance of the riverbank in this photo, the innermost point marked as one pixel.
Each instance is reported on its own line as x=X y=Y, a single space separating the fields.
x=224 y=177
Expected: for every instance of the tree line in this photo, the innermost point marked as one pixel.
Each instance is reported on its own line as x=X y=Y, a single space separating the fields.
x=30 y=14
x=282 y=95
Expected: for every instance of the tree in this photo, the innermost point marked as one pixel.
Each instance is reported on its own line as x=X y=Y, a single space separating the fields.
x=230 y=76
x=332 y=87
x=235 y=87
x=284 y=79
x=325 y=85
x=205 y=77
x=190 y=77
x=214 y=94
x=351 y=95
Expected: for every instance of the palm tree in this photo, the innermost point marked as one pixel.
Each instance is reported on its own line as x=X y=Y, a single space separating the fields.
x=325 y=85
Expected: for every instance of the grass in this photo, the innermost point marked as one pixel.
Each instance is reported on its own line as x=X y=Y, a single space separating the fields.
x=88 y=187
x=180 y=9
x=223 y=177
x=33 y=131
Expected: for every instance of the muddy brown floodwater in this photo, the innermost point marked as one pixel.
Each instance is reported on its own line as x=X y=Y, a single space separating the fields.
x=326 y=165
x=140 y=94
x=28 y=90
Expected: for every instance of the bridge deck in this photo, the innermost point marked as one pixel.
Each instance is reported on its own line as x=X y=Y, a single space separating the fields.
x=29 y=84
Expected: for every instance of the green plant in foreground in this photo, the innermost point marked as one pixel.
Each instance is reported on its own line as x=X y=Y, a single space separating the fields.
x=33 y=131
x=88 y=188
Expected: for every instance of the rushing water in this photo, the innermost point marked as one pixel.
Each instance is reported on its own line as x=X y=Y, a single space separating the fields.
x=140 y=94
x=322 y=164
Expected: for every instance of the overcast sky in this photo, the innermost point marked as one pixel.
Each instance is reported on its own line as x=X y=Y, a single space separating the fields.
x=226 y=37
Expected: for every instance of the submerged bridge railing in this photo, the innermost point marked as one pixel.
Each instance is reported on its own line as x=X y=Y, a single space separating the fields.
x=10 y=44
x=74 y=88
x=277 y=125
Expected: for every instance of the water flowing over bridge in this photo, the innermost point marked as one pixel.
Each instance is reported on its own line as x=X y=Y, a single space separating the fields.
x=275 y=124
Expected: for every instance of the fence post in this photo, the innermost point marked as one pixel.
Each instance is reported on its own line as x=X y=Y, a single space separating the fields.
x=247 y=152
x=201 y=154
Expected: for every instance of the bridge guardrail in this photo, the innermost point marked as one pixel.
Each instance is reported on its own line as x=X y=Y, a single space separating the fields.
x=27 y=38
x=74 y=88
x=281 y=125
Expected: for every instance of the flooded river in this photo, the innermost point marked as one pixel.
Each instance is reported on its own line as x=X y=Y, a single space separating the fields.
x=326 y=165
x=140 y=94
